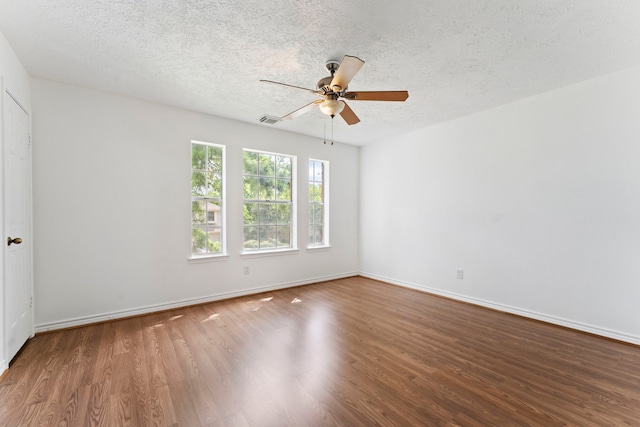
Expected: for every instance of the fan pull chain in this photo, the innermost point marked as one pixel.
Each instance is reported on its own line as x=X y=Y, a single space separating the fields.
x=325 y=131
x=332 y=129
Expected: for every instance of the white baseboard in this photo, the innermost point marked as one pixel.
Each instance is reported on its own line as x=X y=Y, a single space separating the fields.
x=86 y=320
x=3 y=367
x=607 y=333
x=80 y=321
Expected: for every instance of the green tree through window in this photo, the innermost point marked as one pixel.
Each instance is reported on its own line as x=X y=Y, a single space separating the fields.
x=318 y=224
x=268 y=200
x=207 y=226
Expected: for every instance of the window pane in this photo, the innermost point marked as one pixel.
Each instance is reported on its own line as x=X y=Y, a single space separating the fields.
x=284 y=214
x=284 y=236
x=283 y=167
x=267 y=166
x=317 y=215
x=198 y=210
x=198 y=240
x=317 y=234
x=267 y=236
x=311 y=172
x=267 y=189
x=311 y=236
x=317 y=171
x=312 y=192
x=214 y=184
x=213 y=214
x=283 y=189
x=198 y=156
x=315 y=192
x=312 y=208
x=214 y=229
x=251 y=188
x=251 y=237
x=198 y=184
x=251 y=213
x=206 y=229
x=250 y=163
x=214 y=159
x=267 y=213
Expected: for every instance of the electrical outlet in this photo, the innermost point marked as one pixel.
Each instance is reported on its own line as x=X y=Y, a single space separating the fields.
x=460 y=274
x=247 y=269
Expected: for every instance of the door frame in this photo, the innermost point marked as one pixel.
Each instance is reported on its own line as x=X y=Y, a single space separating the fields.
x=4 y=363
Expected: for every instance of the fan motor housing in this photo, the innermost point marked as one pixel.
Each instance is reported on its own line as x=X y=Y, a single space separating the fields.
x=324 y=84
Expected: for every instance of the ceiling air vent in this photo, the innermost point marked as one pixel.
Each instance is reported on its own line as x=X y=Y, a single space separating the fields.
x=270 y=120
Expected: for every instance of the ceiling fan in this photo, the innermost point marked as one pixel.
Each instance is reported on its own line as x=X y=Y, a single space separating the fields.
x=333 y=89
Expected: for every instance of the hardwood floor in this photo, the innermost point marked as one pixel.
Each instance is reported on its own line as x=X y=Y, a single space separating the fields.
x=351 y=352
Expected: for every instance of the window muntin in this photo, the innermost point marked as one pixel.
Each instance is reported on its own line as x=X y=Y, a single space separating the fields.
x=269 y=202
x=207 y=192
x=318 y=203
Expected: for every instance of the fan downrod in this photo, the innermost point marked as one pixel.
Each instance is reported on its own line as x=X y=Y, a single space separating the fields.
x=332 y=65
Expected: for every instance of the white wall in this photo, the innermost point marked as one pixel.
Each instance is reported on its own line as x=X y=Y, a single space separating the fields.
x=14 y=79
x=112 y=207
x=537 y=201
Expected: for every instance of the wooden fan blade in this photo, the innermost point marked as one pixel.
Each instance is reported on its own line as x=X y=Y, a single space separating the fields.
x=348 y=68
x=301 y=111
x=389 y=95
x=317 y=92
x=348 y=115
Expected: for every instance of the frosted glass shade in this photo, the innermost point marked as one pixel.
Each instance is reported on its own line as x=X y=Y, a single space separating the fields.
x=331 y=107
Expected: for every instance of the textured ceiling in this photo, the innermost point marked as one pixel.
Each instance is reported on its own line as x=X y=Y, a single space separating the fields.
x=454 y=57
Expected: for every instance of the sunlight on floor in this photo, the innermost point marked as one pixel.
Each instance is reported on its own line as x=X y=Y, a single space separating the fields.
x=212 y=317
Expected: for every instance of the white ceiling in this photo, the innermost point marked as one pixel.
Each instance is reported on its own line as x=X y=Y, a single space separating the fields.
x=454 y=57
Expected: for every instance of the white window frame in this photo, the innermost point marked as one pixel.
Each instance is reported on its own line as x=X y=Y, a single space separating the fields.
x=221 y=200
x=294 y=207
x=325 y=206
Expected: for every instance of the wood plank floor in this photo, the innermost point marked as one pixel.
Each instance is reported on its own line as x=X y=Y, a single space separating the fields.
x=351 y=352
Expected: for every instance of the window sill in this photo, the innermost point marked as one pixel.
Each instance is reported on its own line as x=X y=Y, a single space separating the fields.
x=318 y=248
x=277 y=252
x=208 y=258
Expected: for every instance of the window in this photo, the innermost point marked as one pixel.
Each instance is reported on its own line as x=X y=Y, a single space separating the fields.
x=269 y=202
x=207 y=193
x=318 y=203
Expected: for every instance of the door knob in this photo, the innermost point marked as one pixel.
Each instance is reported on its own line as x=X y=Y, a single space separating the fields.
x=16 y=240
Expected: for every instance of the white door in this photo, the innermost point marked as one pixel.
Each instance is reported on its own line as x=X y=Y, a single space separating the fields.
x=17 y=226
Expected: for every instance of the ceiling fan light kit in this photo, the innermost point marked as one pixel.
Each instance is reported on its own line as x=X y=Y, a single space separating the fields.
x=335 y=87
x=331 y=107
